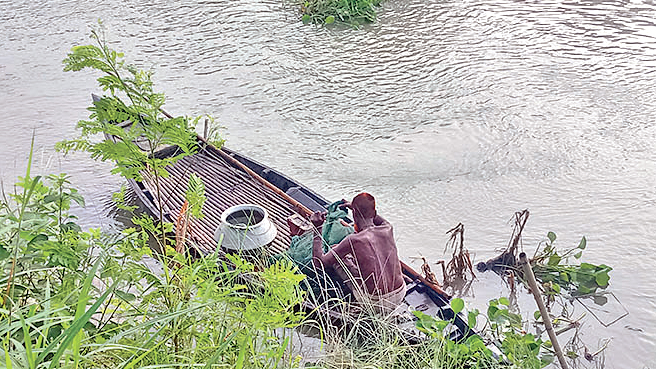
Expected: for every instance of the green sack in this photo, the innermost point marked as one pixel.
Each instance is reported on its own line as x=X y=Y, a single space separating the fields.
x=334 y=230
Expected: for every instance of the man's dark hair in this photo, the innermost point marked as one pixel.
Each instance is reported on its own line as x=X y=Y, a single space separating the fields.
x=364 y=205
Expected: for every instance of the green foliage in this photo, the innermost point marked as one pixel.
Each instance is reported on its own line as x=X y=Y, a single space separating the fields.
x=120 y=201
x=132 y=120
x=79 y=298
x=470 y=353
x=99 y=305
x=457 y=304
x=353 y=12
x=522 y=349
x=35 y=226
x=270 y=303
x=555 y=272
x=500 y=316
x=212 y=131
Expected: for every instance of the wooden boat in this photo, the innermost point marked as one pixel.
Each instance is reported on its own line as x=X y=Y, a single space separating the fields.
x=231 y=179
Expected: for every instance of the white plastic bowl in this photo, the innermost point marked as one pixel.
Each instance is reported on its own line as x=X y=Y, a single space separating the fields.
x=245 y=227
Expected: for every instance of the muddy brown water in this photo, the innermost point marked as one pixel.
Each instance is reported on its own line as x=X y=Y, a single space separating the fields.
x=447 y=111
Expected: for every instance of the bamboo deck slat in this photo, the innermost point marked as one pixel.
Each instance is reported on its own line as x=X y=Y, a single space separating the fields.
x=225 y=186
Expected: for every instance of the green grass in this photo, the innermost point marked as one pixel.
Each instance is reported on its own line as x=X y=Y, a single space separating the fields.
x=375 y=343
x=83 y=299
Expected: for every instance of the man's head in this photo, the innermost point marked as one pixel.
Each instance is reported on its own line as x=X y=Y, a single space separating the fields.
x=364 y=209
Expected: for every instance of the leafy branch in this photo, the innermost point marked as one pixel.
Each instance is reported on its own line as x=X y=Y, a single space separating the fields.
x=131 y=118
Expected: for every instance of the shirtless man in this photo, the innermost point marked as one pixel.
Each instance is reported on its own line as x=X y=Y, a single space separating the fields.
x=369 y=255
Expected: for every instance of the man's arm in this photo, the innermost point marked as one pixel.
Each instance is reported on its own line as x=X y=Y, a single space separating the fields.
x=336 y=252
x=317 y=220
x=378 y=220
x=320 y=259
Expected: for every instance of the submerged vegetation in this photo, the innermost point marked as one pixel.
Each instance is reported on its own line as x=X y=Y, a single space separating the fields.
x=352 y=12
x=74 y=298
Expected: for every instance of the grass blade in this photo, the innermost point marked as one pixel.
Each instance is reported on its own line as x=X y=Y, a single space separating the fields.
x=70 y=333
x=81 y=306
x=28 y=342
x=152 y=338
x=220 y=350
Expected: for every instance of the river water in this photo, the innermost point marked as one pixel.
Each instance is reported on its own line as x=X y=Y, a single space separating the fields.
x=447 y=111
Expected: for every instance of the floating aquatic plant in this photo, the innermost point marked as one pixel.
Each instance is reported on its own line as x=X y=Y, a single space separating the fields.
x=353 y=12
x=552 y=267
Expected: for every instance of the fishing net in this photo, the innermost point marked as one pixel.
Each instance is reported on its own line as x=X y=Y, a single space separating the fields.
x=300 y=251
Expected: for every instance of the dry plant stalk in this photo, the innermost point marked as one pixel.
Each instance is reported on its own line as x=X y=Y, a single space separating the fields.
x=515 y=240
x=460 y=264
x=182 y=227
x=508 y=257
x=428 y=273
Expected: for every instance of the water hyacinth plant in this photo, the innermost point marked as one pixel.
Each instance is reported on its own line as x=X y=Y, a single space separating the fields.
x=553 y=269
x=353 y=12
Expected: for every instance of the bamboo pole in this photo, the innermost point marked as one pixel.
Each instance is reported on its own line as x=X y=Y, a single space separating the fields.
x=530 y=278
x=206 y=128
x=266 y=183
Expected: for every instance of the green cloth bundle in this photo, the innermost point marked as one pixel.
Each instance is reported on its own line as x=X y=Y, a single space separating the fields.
x=300 y=248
